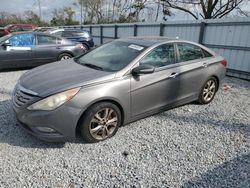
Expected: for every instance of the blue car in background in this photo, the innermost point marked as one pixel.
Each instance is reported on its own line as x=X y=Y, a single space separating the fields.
x=31 y=49
x=75 y=35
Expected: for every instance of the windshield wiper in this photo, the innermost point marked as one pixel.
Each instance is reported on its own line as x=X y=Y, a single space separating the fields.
x=92 y=66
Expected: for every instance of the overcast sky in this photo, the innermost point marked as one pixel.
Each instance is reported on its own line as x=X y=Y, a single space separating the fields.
x=19 y=6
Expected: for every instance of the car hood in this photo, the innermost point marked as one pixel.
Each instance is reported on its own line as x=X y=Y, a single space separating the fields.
x=60 y=76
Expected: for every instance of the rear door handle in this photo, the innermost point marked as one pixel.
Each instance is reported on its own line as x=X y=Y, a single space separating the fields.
x=204 y=65
x=174 y=74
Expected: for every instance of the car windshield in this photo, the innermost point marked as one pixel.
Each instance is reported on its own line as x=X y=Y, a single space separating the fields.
x=112 y=56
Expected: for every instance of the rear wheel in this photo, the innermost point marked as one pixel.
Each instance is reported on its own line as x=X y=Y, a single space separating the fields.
x=208 y=91
x=64 y=56
x=101 y=121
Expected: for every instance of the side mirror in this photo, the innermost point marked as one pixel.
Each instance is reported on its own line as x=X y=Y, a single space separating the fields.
x=143 y=69
x=6 y=43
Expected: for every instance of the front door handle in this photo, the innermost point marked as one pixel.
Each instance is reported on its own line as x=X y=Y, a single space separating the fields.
x=174 y=74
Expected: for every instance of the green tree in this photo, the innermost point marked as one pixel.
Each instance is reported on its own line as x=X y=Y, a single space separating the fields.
x=33 y=18
x=69 y=16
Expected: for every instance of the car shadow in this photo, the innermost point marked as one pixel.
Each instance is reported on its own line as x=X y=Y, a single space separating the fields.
x=196 y=119
x=15 y=69
x=233 y=173
x=12 y=134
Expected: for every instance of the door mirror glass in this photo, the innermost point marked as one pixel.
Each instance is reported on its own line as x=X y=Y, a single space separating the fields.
x=143 y=69
x=7 y=43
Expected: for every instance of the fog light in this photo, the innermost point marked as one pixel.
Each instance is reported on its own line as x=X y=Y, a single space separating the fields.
x=45 y=129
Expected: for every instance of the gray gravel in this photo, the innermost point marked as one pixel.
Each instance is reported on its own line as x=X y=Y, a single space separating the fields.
x=190 y=146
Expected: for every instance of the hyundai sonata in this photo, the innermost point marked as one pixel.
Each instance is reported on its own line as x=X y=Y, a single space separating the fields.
x=115 y=84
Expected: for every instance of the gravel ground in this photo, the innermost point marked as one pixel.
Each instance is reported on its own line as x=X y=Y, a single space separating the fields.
x=189 y=146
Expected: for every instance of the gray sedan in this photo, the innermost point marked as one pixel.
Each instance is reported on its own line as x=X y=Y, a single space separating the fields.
x=30 y=49
x=115 y=84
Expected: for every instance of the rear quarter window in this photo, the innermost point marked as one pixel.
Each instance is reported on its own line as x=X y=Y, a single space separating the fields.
x=206 y=53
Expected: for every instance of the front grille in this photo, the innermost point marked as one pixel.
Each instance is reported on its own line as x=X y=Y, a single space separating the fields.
x=21 y=97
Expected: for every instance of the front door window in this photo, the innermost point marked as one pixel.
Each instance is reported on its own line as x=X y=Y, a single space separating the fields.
x=161 y=56
x=20 y=42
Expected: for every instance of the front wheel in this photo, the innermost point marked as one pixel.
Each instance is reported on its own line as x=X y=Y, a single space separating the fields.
x=208 y=91
x=85 y=47
x=101 y=121
x=64 y=56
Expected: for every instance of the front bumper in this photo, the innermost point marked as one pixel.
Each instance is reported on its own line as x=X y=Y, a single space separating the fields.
x=91 y=43
x=62 y=120
x=49 y=137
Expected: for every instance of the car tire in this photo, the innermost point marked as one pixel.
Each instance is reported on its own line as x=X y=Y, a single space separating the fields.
x=208 y=91
x=85 y=47
x=100 y=121
x=64 y=56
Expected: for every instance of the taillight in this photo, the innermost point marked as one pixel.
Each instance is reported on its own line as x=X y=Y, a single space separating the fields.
x=224 y=62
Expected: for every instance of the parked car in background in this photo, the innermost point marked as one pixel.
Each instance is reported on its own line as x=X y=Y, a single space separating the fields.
x=30 y=49
x=16 y=28
x=75 y=35
x=43 y=29
x=114 y=84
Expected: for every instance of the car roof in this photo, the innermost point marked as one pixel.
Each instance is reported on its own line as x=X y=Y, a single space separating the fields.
x=72 y=29
x=148 y=40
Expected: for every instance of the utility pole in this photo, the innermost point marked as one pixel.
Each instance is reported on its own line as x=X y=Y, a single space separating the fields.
x=81 y=10
x=40 y=11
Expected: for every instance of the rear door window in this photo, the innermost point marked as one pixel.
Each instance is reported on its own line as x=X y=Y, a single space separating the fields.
x=72 y=34
x=48 y=40
x=59 y=34
x=189 y=52
x=67 y=34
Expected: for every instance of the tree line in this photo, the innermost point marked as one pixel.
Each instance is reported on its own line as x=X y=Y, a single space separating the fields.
x=127 y=11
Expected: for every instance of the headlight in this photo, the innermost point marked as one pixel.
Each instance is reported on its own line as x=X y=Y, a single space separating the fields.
x=79 y=46
x=54 y=101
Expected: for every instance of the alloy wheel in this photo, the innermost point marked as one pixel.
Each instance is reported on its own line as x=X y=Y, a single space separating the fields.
x=209 y=90
x=103 y=123
x=65 y=57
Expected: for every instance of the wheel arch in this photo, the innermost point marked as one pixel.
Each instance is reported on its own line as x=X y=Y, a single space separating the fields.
x=217 y=80
x=85 y=43
x=115 y=102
